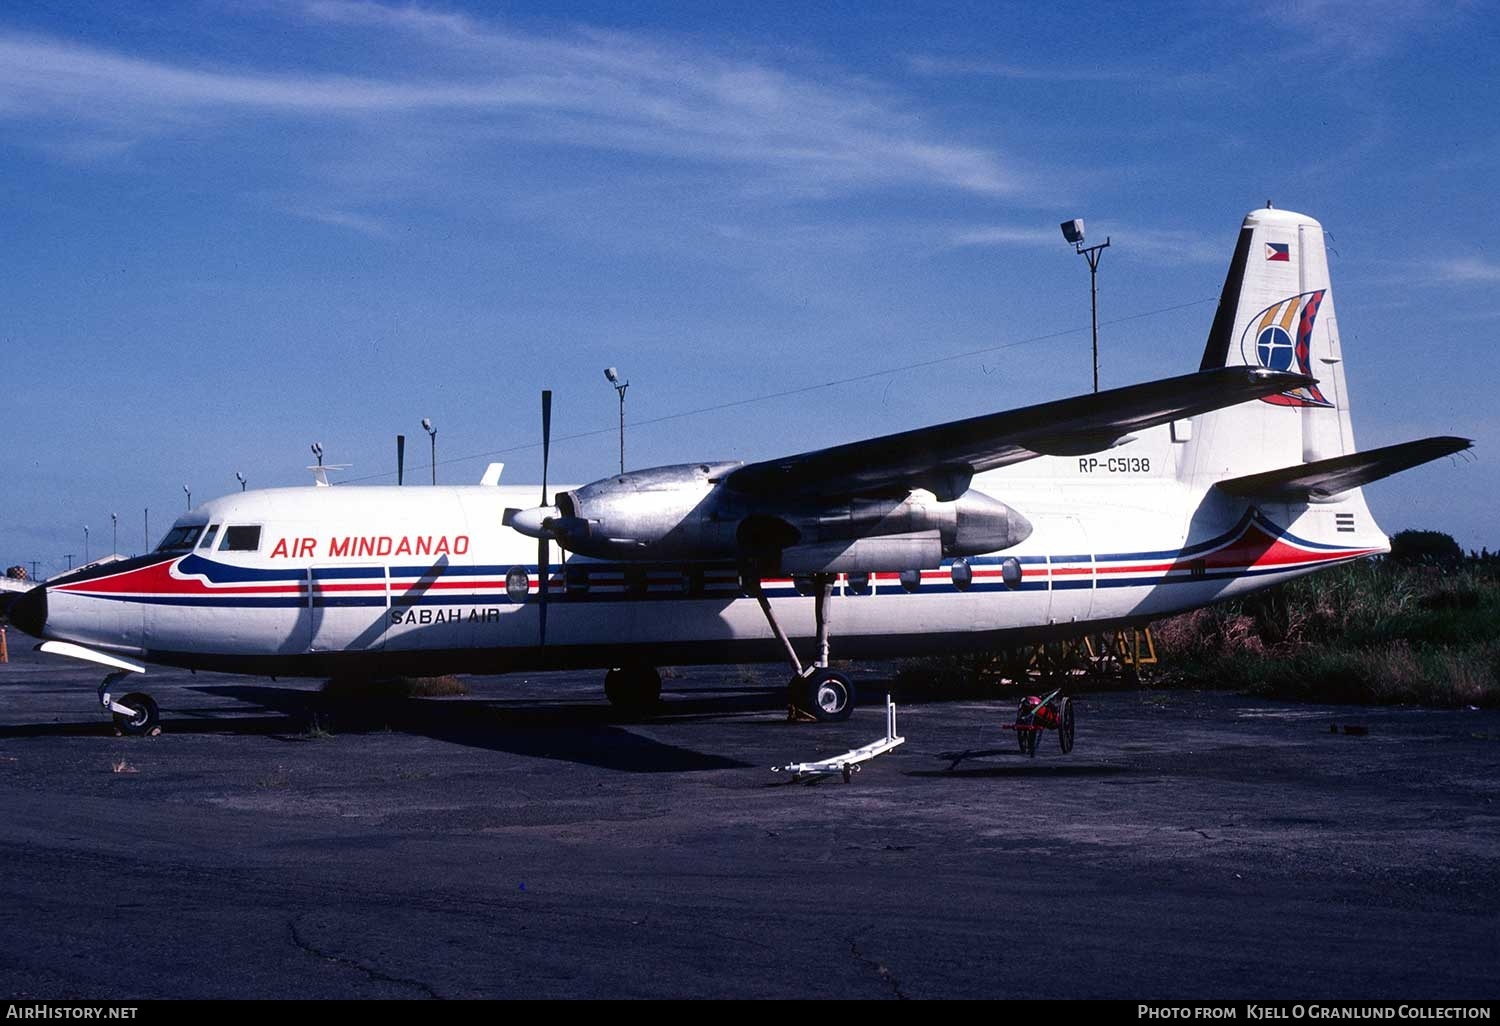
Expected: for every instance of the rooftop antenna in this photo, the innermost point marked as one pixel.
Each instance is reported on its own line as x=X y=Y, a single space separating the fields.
x=319 y=471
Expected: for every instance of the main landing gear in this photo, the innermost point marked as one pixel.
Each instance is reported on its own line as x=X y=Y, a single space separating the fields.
x=135 y=714
x=633 y=688
x=815 y=691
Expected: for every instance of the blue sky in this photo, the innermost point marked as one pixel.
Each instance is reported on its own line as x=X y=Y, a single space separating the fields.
x=230 y=230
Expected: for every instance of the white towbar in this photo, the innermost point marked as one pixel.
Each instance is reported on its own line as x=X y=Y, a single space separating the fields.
x=848 y=763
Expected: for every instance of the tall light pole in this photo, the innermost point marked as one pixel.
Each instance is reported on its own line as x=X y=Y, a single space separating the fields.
x=241 y=479
x=431 y=434
x=189 y=495
x=1073 y=232
x=114 y=527
x=85 y=543
x=613 y=377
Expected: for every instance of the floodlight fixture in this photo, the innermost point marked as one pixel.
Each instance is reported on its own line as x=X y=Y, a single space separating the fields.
x=612 y=375
x=1073 y=233
x=432 y=437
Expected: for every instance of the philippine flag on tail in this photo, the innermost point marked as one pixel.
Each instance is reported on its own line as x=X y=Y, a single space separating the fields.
x=1278 y=251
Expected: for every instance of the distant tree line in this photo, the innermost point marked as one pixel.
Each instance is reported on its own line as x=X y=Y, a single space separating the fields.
x=1434 y=548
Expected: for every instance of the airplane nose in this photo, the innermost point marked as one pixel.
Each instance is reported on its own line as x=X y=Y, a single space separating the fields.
x=29 y=612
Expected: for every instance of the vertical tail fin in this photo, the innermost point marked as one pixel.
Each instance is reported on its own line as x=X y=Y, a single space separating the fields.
x=1276 y=311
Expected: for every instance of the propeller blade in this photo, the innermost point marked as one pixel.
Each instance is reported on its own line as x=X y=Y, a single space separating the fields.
x=546 y=437
x=543 y=553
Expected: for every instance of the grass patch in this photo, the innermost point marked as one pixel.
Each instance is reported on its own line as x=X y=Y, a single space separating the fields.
x=1372 y=632
x=315 y=730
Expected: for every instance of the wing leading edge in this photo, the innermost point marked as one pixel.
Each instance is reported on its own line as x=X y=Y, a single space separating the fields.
x=944 y=457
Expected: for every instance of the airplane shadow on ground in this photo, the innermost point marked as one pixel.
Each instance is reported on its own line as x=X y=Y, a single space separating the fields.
x=595 y=735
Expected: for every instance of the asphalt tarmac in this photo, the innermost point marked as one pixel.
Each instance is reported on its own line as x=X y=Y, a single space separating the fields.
x=526 y=841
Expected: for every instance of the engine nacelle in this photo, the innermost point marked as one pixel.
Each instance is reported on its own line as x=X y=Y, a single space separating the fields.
x=662 y=513
x=683 y=512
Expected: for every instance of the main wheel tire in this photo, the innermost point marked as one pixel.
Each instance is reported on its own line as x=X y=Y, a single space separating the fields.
x=1065 y=727
x=146 y=719
x=633 y=687
x=824 y=695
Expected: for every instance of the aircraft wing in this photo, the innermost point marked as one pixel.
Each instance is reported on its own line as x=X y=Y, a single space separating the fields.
x=1311 y=482
x=944 y=457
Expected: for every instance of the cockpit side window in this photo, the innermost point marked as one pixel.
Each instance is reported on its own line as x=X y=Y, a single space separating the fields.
x=208 y=537
x=240 y=539
x=180 y=538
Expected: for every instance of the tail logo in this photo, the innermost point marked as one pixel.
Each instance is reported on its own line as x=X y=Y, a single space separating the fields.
x=1269 y=341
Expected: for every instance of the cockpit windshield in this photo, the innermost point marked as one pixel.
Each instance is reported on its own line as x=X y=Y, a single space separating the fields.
x=180 y=538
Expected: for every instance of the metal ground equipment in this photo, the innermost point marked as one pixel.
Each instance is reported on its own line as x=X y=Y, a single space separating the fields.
x=848 y=764
x=1034 y=715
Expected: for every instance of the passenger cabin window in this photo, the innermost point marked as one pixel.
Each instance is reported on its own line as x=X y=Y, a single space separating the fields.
x=180 y=538
x=240 y=539
x=208 y=537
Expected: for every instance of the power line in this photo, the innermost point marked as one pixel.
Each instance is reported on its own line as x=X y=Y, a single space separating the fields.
x=803 y=389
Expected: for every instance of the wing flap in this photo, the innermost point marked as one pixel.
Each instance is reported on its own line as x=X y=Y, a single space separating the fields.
x=1325 y=479
x=944 y=457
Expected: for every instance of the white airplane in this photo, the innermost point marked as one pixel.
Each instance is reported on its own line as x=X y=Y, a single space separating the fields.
x=1089 y=513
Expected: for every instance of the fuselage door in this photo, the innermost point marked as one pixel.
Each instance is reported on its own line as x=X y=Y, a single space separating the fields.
x=1070 y=570
x=347 y=608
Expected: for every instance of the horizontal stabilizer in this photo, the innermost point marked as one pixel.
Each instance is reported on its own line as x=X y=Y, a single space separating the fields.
x=1317 y=482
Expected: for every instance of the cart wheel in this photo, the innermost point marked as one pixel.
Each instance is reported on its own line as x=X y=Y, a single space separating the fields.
x=1029 y=745
x=1021 y=734
x=1065 y=726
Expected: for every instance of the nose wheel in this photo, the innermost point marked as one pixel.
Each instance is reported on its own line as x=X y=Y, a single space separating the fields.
x=135 y=714
x=143 y=719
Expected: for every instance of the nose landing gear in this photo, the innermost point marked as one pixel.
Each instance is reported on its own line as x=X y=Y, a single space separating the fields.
x=135 y=714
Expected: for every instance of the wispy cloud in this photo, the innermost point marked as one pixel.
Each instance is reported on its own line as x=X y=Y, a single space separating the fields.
x=927 y=64
x=1158 y=243
x=1003 y=235
x=1467 y=271
x=1361 y=30
x=364 y=224
x=583 y=90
